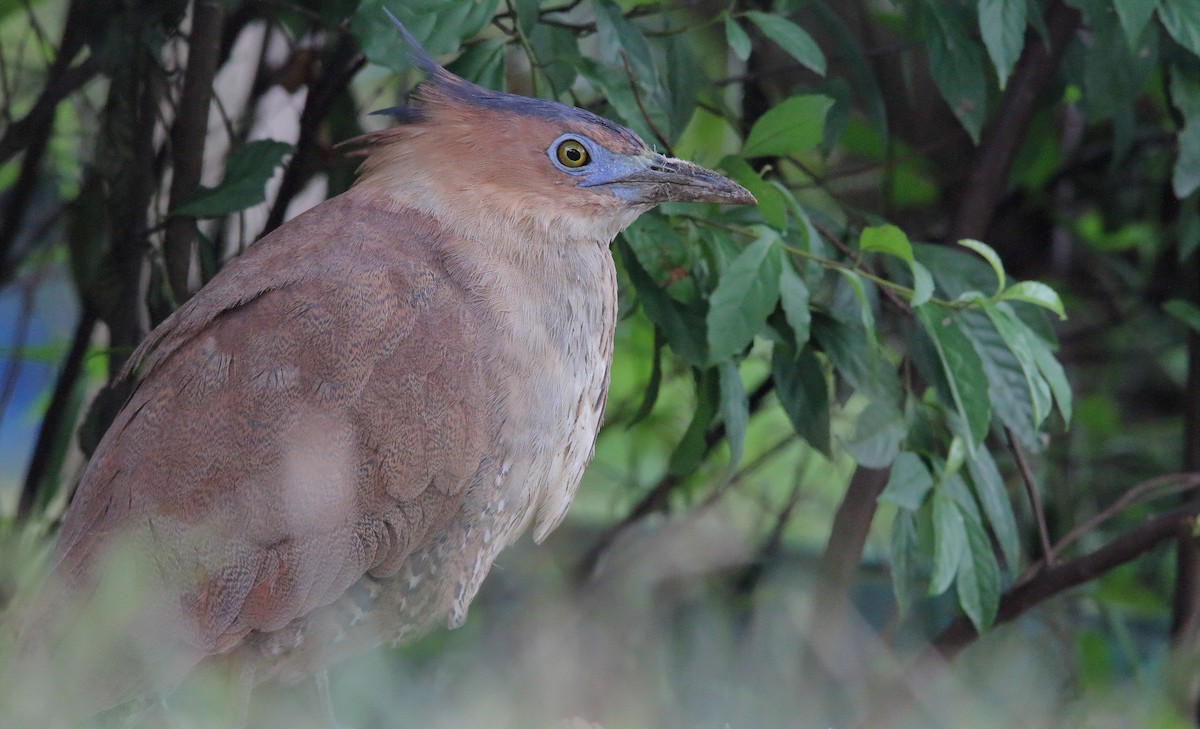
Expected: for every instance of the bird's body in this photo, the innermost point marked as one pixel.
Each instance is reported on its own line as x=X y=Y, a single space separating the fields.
x=333 y=440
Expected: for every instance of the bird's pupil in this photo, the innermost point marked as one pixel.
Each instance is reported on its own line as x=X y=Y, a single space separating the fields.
x=573 y=154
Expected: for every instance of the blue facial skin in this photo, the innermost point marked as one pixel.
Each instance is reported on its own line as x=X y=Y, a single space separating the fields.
x=622 y=175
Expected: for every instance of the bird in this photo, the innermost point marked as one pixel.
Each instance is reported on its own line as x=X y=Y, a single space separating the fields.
x=330 y=443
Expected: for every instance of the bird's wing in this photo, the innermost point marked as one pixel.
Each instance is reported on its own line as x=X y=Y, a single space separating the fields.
x=316 y=412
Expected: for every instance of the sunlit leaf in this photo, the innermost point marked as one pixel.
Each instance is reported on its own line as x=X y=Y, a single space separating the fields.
x=891 y=240
x=990 y=256
x=771 y=203
x=793 y=126
x=1035 y=292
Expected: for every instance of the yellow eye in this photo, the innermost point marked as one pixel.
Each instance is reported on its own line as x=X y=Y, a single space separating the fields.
x=571 y=153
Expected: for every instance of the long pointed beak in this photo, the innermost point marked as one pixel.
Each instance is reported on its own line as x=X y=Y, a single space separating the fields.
x=654 y=178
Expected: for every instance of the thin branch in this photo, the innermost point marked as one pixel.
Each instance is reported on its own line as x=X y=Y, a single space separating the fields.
x=344 y=62
x=1020 y=599
x=657 y=497
x=1035 y=499
x=1035 y=70
x=1182 y=482
x=56 y=417
x=188 y=135
x=637 y=96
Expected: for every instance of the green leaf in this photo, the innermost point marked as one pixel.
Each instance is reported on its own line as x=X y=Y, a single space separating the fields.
x=978 y=578
x=1181 y=18
x=891 y=240
x=1134 y=15
x=738 y=40
x=956 y=63
x=954 y=457
x=861 y=364
x=438 y=25
x=1019 y=394
x=791 y=38
x=1002 y=25
x=246 y=174
x=990 y=256
x=618 y=35
x=992 y=496
x=683 y=327
x=793 y=295
x=483 y=64
x=803 y=394
x=735 y=411
x=690 y=451
x=880 y=430
x=908 y=483
x=1037 y=293
x=744 y=298
x=1185 y=96
x=949 y=542
x=1184 y=311
x=864 y=304
x=655 y=384
x=1024 y=344
x=963 y=369
x=527 y=14
x=903 y=545
x=886 y=239
x=922 y=284
x=771 y=203
x=793 y=126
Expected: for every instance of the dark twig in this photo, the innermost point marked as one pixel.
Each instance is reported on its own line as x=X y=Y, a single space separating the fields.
x=1022 y=598
x=637 y=96
x=1035 y=499
x=1035 y=70
x=839 y=568
x=344 y=62
x=56 y=417
x=188 y=135
x=657 y=497
x=1185 y=608
x=33 y=132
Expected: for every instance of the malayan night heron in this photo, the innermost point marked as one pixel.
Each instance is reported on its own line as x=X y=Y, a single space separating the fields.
x=330 y=443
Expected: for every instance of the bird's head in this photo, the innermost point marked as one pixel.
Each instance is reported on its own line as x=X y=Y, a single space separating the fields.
x=483 y=158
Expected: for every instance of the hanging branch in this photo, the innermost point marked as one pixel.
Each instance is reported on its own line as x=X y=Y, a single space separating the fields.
x=188 y=135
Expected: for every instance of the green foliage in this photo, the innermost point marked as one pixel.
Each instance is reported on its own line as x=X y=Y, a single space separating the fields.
x=841 y=325
x=246 y=174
